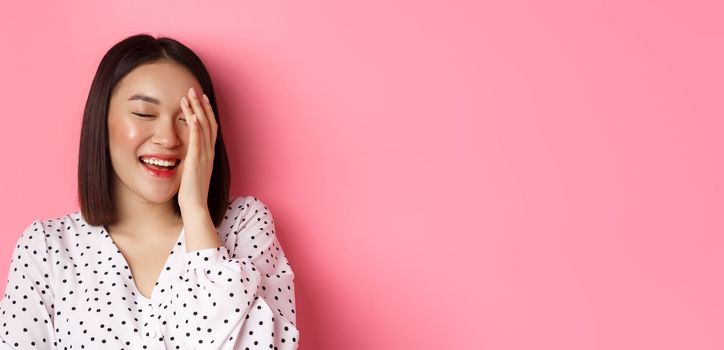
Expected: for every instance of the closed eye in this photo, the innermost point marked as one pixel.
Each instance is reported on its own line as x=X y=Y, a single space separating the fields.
x=152 y=116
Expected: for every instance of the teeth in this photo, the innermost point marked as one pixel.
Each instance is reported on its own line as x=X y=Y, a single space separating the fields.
x=154 y=161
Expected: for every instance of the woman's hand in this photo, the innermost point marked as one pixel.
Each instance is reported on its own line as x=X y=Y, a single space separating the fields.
x=199 y=161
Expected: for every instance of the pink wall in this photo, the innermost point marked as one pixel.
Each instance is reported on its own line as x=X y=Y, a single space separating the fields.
x=511 y=175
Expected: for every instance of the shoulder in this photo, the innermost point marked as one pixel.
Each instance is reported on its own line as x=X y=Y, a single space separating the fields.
x=240 y=202
x=60 y=233
x=46 y=229
x=33 y=235
x=31 y=247
x=248 y=226
x=59 y=227
x=243 y=208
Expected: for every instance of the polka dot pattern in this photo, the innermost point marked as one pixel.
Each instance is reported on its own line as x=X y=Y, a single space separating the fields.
x=69 y=287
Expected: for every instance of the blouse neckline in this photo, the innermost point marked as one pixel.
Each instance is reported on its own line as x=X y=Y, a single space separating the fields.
x=161 y=277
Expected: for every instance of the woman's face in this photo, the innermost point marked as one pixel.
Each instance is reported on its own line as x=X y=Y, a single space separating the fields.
x=154 y=90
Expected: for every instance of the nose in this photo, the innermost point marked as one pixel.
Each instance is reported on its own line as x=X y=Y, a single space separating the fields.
x=165 y=135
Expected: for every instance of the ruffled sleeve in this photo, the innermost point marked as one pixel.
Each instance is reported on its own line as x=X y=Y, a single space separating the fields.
x=26 y=309
x=237 y=299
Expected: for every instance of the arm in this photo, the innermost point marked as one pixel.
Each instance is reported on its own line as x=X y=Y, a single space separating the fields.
x=26 y=310
x=225 y=301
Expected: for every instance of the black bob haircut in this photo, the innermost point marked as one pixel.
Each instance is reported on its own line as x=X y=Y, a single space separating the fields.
x=95 y=171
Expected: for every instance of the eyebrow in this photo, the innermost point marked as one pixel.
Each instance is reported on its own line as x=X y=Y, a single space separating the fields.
x=145 y=98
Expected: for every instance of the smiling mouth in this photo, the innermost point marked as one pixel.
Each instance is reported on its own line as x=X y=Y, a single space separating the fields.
x=160 y=167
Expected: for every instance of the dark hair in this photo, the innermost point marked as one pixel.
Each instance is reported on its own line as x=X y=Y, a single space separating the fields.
x=95 y=172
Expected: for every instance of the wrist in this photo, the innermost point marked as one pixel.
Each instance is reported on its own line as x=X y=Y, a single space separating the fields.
x=200 y=230
x=194 y=210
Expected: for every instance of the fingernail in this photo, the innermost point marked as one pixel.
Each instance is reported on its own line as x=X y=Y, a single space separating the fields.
x=206 y=98
x=193 y=93
x=183 y=100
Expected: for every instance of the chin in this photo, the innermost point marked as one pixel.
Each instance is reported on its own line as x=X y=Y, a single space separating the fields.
x=157 y=196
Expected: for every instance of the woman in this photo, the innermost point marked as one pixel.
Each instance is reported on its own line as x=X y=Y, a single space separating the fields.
x=158 y=256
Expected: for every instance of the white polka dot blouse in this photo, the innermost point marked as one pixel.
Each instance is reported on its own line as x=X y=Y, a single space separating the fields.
x=69 y=287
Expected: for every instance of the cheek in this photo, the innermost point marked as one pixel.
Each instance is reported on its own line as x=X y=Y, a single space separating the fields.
x=124 y=140
x=125 y=133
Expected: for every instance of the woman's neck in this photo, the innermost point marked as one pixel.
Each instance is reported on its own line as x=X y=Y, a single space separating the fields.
x=137 y=216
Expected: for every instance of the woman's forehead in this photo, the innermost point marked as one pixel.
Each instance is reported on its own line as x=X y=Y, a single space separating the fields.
x=156 y=83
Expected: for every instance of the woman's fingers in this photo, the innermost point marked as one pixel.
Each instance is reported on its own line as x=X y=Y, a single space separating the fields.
x=194 y=147
x=205 y=129
x=212 y=120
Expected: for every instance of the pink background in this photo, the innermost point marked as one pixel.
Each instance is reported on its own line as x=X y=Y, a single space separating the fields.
x=469 y=175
